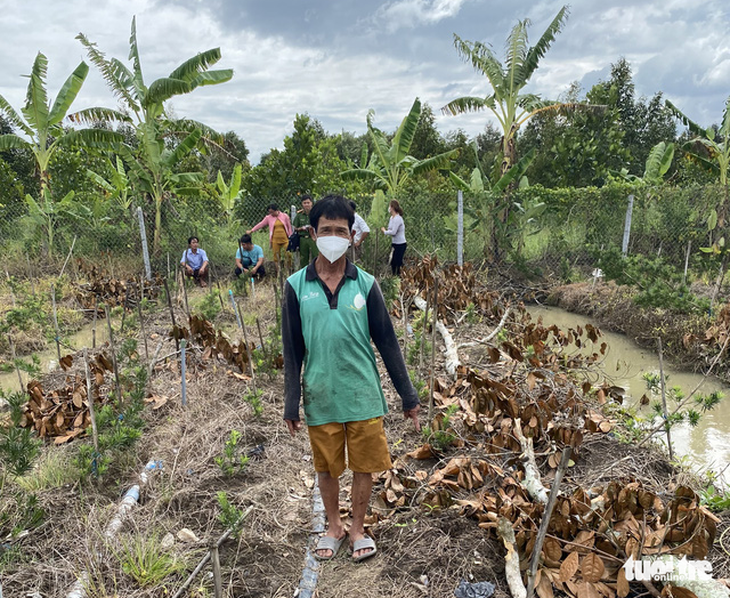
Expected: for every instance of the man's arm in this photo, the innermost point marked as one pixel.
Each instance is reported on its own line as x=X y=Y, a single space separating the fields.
x=293 y=352
x=258 y=264
x=383 y=335
x=363 y=237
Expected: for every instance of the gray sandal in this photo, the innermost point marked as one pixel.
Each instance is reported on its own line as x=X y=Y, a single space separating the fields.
x=362 y=544
x=328 y=543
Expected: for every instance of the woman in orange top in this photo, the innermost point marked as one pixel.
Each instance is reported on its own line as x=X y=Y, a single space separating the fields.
x=279 y=232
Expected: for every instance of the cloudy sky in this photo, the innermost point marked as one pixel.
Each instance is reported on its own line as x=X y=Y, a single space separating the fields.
x=335 y=60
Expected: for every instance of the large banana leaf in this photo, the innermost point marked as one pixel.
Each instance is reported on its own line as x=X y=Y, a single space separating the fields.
x=440 y=162
x=163 y=89
x=482 y=59
x=14 y=117
x=536 y=52
x=36 y=99
x=196 y=65
x=8 y=142
x=96 y=138
x=659 y=160
x=463 y=105
x=184 y=148
x=212 y=77
x=515 y=173
x=97 y=114
x=404 y=135
x=67 y=94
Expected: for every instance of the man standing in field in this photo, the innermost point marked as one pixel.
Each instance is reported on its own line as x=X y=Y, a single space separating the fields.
x=307 y=246
x=331 y=312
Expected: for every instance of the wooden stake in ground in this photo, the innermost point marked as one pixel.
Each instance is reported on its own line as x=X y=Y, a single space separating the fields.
x=185 y=292
x=17 y=369
x=90 y=399
x=70 y=251
x=125 y=305
x=242 y=324
x=261 y=338
x=217 y=579
x=542 y=532
x=424 y=321
x=93 y=327
x=141 y=321
x=114 y=352
x=55 y=323
x=433 y=346
x=664 y=398
x=183 y=374
x=172 y=311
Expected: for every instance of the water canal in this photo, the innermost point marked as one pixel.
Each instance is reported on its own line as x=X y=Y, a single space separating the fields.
x=706 y=446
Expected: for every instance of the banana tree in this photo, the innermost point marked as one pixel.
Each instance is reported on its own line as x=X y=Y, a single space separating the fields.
x=229 y=193
x=390 y=165
x=484 y=214
x=151 y=163
x=510 y=106
x=657 y=164
x=45 y=135
x=117 y=187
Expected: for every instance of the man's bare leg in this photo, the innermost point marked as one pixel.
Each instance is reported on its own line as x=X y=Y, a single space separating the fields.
x=329 y=488
x=362 y=487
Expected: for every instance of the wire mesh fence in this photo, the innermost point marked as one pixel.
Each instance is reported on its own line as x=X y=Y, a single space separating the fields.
x=560 y=234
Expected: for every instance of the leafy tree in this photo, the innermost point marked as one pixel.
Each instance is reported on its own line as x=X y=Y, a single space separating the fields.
x=510 y=106
x=309 y=163
x=234 y=153
x=45 y=134
x=427 y=141
x=711 y=148
x=642 y=124
x=152 y=164
x=390 y=164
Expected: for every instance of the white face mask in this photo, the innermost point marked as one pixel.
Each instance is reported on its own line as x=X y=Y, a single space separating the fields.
x=332 y=247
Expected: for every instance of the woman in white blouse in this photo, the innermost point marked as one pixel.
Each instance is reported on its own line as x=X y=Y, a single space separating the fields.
x=397 y=231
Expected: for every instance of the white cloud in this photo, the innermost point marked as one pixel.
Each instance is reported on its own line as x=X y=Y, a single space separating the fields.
x=412 y=13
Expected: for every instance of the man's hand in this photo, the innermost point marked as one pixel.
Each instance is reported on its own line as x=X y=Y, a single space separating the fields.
x=188 y=269
x=293 y=425
x=413 y=414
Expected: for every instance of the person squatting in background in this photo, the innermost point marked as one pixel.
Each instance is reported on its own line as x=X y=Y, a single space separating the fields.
x=279 y=232
x=397 y=230
x=195 y=262
x=307 y=246
x=249 y=258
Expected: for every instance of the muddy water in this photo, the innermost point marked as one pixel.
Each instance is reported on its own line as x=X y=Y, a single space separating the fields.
x=49 y=358
x=708 y=444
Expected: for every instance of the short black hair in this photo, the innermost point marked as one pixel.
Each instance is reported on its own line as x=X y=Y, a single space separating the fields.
x=332 y=207
x=193 y=238
x=273 y=206
x=246 y=238
x=353 y=205
x=306 y=196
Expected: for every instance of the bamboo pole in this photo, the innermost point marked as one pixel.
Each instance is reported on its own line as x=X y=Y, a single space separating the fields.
x=542 y=532
x=114 y=352
x=55 y=323
x=248 y=347
x=664 y=398
x=261 y=338
x=70 y=251
x=433 y=346
x=93 y=327
x=217 y=579
x=183 y=373
x=90 y=399
x=172 y=311
x=141 y=321
x=17 y=369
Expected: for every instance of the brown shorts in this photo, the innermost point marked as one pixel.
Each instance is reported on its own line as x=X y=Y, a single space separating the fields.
x=367 y=448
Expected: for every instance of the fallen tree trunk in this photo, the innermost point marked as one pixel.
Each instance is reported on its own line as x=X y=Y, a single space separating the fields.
x=452 y=357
